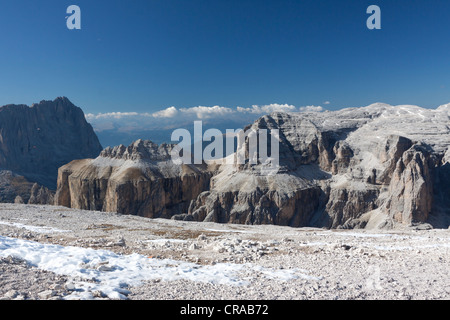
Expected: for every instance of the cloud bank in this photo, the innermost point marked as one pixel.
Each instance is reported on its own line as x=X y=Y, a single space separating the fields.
x=173 y=117
x=311 y=109
x=267 y=109
x=166 y=113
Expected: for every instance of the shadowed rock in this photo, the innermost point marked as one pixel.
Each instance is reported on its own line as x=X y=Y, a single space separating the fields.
x=35 y=141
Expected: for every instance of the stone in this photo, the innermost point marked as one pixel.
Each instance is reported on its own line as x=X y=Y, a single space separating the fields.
x=47 y=294
x=194 y=246
x=41 y=195
x=18 y=200
x=37 y=140
x=424 y=226
x=69 y=286
x=105 y=268
x=139 y=179
x=120 y=242
x=14 y=188
x=202 y=237
x=11 y=294
x=98 y=294
x=378 y=166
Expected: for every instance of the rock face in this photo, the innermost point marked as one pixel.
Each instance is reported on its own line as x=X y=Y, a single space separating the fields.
x=376 y=166
x=12 y=186
x=35 y=141
x=139 y=179
x=40 y=195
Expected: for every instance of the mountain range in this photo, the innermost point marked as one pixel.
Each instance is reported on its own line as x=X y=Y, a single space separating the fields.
x=379 y=166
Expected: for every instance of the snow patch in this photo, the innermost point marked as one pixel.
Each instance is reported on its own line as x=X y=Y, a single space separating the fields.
x=229 y=230
x=110 y=273
x=36 y=229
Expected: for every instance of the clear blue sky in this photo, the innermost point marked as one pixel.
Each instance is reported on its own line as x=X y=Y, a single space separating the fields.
x=148 y=55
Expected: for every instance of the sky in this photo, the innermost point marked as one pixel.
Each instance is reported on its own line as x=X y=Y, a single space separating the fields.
x=158 y=57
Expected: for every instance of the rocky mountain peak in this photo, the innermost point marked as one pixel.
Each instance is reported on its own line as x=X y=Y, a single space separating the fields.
x=139 y=150
x=376 y=166
x=35 y=141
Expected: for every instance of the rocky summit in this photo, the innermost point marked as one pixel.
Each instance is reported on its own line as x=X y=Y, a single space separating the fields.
x=35 y=141
x=379 y=166
x=140 y=179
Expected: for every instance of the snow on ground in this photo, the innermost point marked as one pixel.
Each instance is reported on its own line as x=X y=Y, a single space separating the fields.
x=36 y=229
x=112 y=273
x=50 y=252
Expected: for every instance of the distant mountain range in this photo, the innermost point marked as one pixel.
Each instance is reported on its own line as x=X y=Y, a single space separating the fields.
x=379 y=166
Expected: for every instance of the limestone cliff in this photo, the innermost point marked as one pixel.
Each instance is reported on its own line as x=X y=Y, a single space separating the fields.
x=35 y=141
x=139 y=179
x=377 y=166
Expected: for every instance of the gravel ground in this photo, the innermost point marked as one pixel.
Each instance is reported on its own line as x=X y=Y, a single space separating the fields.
x=402 y=264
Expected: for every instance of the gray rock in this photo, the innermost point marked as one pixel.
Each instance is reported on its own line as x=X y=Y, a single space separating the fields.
x=37 y=140
x=41 y=195
x=120 y=242
x=12 y=186
x=69 y=286
x=18 y=200
x=140 y=179
x=376 y=166
x=194 y=246
x=424 y=226
x=105 y=268
x=11 y=294
x=47 y=294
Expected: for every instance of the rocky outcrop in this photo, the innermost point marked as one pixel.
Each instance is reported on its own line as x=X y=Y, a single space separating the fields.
x=139 y=179
x=279 y=199
x=377 y=166
x=340 y=169
x=41 y=195
x=411 y=188
x=13 y=185
x=35 y=141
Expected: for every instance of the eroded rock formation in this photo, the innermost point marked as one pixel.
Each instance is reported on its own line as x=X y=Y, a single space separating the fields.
x=139 y=179
x=377 y=166
x=35 y=141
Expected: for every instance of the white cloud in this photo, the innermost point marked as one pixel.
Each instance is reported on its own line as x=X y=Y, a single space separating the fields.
x=207 y=112
x=326 y=102
x=173 y=117
x=199 y=112
x=311 y=109
x=114 y=115
x=166 y=113
x=265 y=109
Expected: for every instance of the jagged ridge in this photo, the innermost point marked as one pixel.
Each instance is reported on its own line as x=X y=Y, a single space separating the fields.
x=35 y=141
x=377 y=166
